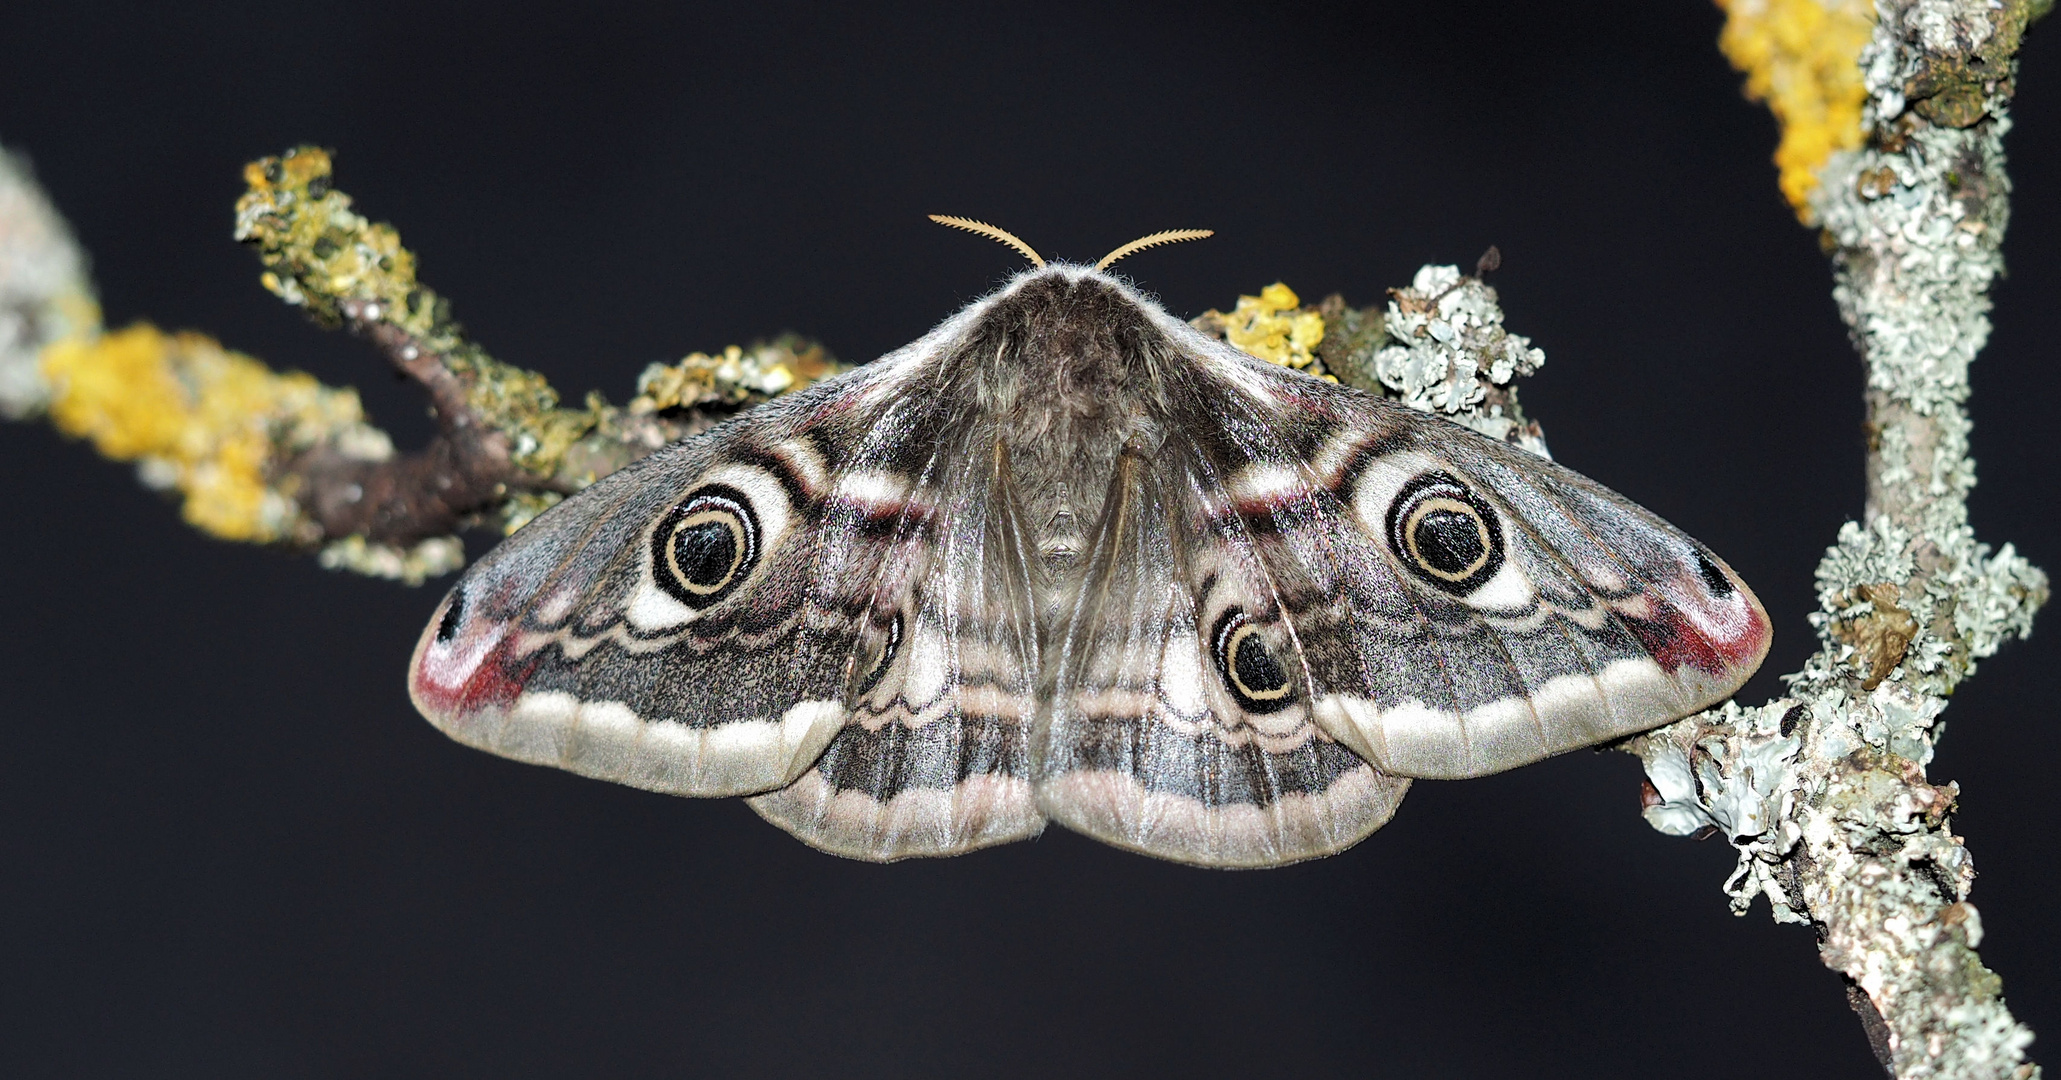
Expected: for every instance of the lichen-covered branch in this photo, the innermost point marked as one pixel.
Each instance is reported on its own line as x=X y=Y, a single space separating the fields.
x=504 y=449
x=277 y=458
x=1824 y=792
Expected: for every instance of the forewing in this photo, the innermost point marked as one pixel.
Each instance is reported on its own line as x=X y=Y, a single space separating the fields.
x=1464 y=606
x=710 y=620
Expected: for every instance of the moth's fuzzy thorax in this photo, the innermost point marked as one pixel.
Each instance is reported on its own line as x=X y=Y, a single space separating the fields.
x=1068 y=362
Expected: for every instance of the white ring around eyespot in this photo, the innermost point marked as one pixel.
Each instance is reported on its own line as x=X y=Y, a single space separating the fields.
x=1378 y=484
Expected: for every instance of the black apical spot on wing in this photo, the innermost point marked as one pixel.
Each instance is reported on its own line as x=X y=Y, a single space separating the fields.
x=1713 y=578
x=454 y=614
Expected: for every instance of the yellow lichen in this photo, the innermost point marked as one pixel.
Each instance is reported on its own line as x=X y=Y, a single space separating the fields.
x=736 y=376
x=1802 y=57
x=1274 y=327
x=317 y=250
x=199 y=418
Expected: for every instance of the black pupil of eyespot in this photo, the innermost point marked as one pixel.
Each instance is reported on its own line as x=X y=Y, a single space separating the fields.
x=705 y=552
x=1714 y=578
x=1450 y=541
x=1255 y=666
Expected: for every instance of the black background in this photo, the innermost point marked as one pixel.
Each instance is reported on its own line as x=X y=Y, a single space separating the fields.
x=228 y=846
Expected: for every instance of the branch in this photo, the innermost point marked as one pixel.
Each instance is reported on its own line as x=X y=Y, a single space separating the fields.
x=466 y=470
x=277 y=458
x=1824 y=792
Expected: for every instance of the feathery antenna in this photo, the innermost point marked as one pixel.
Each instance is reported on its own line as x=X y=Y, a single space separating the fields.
x=1171 y=236
x=992 y=233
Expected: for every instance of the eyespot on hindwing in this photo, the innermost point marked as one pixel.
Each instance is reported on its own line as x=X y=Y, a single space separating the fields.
x=1247 y=665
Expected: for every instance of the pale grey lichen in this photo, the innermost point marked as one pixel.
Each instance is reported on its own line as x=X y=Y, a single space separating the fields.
x=1995 y=598
x=44 y=292
x=1824 y=793
x=523 y=507
x=1724 y=772
x=434 y=557
x=1449 y=354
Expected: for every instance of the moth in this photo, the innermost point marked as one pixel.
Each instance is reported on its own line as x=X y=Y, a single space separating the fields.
x=1066 y=558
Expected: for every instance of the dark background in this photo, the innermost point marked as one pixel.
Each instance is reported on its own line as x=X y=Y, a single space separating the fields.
x=229 y=847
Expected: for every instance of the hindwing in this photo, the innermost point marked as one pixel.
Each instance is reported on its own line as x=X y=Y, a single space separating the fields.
x=1181 y=718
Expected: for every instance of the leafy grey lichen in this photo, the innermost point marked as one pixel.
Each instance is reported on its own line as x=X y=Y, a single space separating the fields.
x=1723 y=773
x=1448 y=353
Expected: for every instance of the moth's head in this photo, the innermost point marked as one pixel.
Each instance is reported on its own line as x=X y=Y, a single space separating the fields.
x=1062 y=299
x=1057 y=305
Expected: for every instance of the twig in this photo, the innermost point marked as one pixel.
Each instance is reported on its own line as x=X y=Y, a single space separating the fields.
x=465 y=472
x=1824 y=792
x=504 y=449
